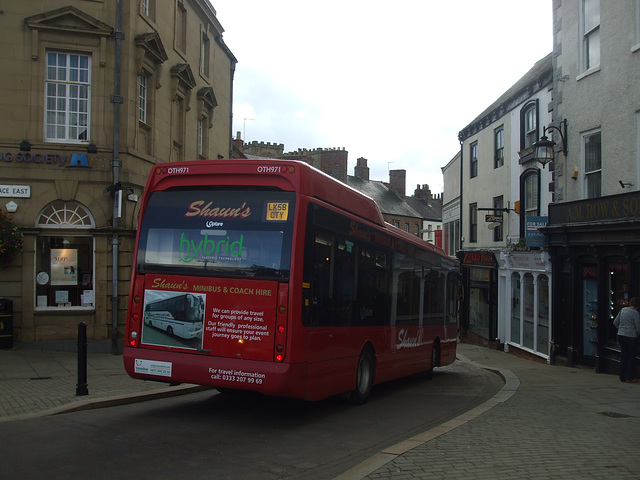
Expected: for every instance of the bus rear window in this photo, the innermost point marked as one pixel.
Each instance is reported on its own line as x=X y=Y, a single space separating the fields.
x=245 y=233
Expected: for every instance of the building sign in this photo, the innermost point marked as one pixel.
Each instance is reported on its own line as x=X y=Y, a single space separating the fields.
x=15 y=191
x=533 y=236
x=35 y=159
x=534 y=261
x=612 y=208
x=493 y=218
x=484 y=259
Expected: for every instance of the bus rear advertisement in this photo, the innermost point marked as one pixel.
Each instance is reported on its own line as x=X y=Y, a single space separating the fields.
x=237 y=316
x=181 y=315
x=271 y=276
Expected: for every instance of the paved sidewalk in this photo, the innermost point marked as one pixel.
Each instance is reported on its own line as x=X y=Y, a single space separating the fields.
x=548 y=422
x=35 y=383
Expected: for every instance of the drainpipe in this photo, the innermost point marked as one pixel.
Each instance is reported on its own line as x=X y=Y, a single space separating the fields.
x=116 y=99
x=232 y=73
x=463 y=314
x=461 y=190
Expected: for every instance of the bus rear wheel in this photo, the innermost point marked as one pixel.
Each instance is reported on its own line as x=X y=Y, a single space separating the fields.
x=170 y=330
x=365 y=374
x=435 y=359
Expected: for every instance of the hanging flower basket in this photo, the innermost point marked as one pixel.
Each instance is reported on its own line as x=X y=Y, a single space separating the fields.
x=10 y=239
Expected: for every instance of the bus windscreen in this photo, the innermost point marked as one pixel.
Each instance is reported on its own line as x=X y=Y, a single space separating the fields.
x=222 y=232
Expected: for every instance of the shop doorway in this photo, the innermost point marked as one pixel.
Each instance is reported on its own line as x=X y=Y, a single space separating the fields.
x=589 y=311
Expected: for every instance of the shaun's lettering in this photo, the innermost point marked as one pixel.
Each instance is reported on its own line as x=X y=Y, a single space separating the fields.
x=196 y=209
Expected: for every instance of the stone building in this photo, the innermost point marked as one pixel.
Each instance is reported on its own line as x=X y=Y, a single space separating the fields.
x=94 y=94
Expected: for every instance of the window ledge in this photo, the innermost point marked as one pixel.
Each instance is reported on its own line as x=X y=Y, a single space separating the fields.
x=54 y=309
x=591 y=71
x=635 y=48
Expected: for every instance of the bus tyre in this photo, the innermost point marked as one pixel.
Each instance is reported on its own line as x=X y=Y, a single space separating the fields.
x=364 y=377
x=170 y=330
x=435 y=359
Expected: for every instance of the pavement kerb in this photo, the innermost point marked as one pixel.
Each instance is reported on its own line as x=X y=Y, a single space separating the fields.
x=373 y=463
x=113 y=401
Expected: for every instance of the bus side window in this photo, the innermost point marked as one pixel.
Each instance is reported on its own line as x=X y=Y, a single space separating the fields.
x=407 y=280
x=372 y=288
x=321 y=284
x=344 y=282
x=434 y=292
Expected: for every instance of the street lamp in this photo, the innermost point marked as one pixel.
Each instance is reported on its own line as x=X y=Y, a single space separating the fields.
x=544 y=147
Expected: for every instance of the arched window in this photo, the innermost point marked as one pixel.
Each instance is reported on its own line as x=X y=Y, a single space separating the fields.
x=528 y=301
x=516 y=324
x=529 y=196
x=61 y=214
x=64 y=270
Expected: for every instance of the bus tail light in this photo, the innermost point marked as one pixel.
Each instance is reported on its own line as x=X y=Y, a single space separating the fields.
x=281 y=322
x=134 y=320
x=279 y=353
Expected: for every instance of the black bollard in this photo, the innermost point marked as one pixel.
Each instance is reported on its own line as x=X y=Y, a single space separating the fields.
x=82 y=387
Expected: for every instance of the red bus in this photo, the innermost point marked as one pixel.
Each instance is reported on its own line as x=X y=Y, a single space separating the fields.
x=303 y=290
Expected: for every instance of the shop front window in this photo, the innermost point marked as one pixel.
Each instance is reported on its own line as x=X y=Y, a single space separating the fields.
x=515 y=308
x=542 y=345
x=618 y=293
x=528 y=331
x=64 y=270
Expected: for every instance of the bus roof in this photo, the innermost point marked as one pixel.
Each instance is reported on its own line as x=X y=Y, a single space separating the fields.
x=306 y=179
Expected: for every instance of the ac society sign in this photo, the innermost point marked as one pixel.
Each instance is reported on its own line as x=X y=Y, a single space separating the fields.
x=15 y=191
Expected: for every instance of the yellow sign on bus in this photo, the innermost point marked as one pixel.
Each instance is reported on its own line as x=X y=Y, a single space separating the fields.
x=277 y=211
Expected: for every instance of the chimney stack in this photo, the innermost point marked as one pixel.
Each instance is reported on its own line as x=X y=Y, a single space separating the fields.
x=423 y=192
x=397 y=182
x=238 y=143
x=361 y=170
x=333 y=162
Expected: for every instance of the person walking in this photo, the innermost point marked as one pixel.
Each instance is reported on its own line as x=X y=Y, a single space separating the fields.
x=628 y=324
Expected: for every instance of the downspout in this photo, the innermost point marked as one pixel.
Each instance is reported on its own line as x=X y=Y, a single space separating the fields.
x=230 y=136
x=463 y=314
x=116 y=99
x=461 y=190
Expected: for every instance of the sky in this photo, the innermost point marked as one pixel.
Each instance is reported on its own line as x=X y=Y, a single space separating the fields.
x=393 y=82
